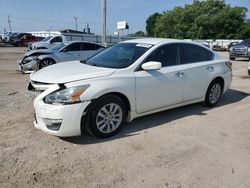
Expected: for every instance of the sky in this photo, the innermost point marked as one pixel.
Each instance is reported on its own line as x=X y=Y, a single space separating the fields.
x=37 y=15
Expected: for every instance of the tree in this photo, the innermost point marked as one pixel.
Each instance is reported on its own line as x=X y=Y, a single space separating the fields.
x=210 y=19
x=139 y=33
x=150 y=24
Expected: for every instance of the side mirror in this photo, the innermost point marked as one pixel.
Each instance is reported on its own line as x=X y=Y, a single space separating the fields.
x=64 y=50
x=151 y=65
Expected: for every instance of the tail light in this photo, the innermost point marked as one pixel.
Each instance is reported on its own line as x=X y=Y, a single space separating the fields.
x=229 y=64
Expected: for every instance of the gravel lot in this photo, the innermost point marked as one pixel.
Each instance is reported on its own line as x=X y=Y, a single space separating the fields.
x=192 y=146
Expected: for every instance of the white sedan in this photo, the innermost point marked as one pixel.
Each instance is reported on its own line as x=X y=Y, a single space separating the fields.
x=69 y=51
x=128 y=80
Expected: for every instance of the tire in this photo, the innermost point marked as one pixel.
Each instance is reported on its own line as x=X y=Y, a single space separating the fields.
x=46 y=62
x=249 y=72
x=106 y=117
x=214 y=93
x=232 y=58
x=18 y=44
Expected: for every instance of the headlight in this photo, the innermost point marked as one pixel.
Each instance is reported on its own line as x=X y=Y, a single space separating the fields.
x=66 y=96
x=29 y=59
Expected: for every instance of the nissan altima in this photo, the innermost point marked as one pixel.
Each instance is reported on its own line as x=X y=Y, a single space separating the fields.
x=128 y=80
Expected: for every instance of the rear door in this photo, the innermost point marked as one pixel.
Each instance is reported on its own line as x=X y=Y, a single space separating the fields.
x=70 y=52
x=197 y=64
x=89 y=49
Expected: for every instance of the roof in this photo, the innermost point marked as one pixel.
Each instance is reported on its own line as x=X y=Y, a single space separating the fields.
x=152 y=41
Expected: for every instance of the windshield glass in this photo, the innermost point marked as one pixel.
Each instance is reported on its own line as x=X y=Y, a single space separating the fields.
x=119 y=56
x=245 y=42
x=46 y=39
x=58 y=47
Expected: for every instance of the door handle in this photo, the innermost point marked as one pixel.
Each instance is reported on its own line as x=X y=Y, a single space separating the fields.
x=180 y=74
x=210 y=68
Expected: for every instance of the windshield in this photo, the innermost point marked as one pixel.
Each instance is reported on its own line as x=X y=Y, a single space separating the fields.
x=46 y=39
x=245 y=42
x=58 y=47
x=119 y=56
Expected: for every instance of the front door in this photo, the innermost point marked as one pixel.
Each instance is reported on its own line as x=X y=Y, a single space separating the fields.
x=160 y=88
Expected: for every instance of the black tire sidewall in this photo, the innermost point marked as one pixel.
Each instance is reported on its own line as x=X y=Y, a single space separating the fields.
x=92 y=127
x=44 y=60
x=207 y=101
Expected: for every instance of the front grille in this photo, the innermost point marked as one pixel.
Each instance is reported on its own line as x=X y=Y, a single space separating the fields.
x=40 y=83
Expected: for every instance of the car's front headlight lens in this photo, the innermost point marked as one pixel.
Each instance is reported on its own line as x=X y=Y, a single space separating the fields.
x=66 y=96
x=29 y=59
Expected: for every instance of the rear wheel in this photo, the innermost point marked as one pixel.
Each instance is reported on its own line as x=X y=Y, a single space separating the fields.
x=106 y=117
x=249 y=72
x=214 y=93
x=46 y=62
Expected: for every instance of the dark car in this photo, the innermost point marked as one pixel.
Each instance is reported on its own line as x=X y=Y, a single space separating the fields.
x=27 y=39
x=232 y=44
x=16 y=39
x=240 y=50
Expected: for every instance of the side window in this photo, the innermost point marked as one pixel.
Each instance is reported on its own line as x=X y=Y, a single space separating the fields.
x=90 y=46
x=56 y=39
x=74 y=47
x=192 y=53
x=168 y=55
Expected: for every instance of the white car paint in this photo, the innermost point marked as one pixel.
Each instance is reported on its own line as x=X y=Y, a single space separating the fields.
x=46 y=44
x=147 y=91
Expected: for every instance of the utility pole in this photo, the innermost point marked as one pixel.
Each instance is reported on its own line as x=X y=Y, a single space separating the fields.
x=75 y=17
x=104 y=22
x=9 y=22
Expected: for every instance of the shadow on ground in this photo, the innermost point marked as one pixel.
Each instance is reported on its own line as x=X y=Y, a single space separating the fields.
x=158 y=119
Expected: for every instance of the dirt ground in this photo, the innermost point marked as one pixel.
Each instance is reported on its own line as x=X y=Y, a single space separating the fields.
x=192 y=146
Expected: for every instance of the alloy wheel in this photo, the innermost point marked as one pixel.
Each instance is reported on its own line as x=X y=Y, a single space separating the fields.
x=109 y=118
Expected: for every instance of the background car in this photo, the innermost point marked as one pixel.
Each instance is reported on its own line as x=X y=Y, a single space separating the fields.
x=17 y=39
x=249 y=68
x=70 y=51
x=48 y=42
x=126 y=81
x=240 y=50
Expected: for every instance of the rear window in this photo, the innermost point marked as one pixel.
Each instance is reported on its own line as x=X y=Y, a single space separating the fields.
x=192 y=53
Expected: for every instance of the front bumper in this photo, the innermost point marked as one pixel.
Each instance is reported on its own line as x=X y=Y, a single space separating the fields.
x=29 y=67
x=70 y=116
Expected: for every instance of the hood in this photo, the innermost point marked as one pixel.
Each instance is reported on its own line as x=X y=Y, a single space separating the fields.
x=68 y=72
x=38 y=52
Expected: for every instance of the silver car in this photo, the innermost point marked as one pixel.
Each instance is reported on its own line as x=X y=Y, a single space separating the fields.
x=69 y=51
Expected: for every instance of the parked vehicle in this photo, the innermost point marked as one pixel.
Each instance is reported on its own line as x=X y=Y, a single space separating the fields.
x=70 y=51
x=16 y=39
x=126 y=81
x=249 y=68
x=27 y=39
x=8 y=35
x=240 y=50
x=231 y=44
x=48 y=42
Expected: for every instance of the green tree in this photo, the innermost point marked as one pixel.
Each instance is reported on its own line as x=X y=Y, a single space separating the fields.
x=150 y=24
x=210 y=19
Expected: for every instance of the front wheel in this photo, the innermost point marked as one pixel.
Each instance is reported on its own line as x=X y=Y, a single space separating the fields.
x=46 y=62
x=106 y=117
x=214 y=93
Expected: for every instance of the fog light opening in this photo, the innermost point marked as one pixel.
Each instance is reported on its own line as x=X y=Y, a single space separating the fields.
x=53 y=124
